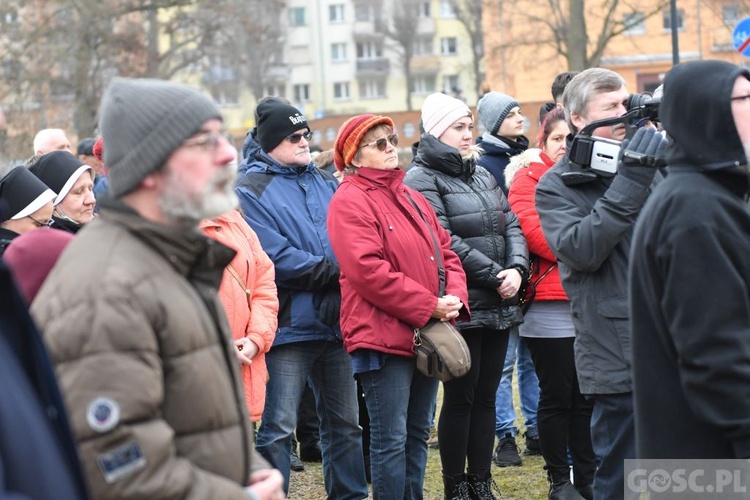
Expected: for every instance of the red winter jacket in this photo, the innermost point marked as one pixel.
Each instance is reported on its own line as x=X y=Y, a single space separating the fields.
x=389 y=280
x=522 y=181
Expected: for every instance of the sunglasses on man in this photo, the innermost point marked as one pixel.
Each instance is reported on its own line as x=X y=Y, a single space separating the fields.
x=295 y=138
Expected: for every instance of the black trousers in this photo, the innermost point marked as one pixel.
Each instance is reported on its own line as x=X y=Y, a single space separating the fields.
x=466 y=429
x=564 y=414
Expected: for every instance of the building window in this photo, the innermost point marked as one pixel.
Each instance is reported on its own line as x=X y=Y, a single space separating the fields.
x=363 y=12
x=450 y=84
x=341 y=90
x=667 y=19
x=371 y=89
x=297 y=16
x=369 y=50
x=338 y=52
x=409 y=129
x=730 y=14
x=336 y=13
x=302 y=93
x=422 y=46
x=316 y=137
x=634 y=24
x=448 y=46
x=423 y=84
x=446 y=9
x=226 y=95
x=330 y=134
x=423 y=10
x=276 y=90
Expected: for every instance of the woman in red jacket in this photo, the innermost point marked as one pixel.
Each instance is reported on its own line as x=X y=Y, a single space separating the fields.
x=248 y=294
x=564 y=415
x=381 y=232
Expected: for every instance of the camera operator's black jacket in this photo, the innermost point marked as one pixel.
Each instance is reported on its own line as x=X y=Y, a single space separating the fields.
x=485 y=233
x=690 y=278
x=589 y=228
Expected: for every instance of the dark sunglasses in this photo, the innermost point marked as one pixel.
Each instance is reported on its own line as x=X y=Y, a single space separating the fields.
x=295 y=138
x=383 y=142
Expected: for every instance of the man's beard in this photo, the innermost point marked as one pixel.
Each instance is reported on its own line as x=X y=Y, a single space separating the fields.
x=185 y=208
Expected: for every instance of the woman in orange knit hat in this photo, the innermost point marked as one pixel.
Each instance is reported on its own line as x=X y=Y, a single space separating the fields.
x=382 y=234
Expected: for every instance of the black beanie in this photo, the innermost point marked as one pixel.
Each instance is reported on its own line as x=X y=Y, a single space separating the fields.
x=696 y=112
x=275 y=121
x=22 y=194
x=59 y=170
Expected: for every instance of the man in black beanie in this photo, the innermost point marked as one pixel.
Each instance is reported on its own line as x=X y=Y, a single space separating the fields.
x=131 y=314
x=285 y=199
x=690 y=274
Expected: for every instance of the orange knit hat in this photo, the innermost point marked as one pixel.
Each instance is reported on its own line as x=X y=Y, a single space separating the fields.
x=351 y=134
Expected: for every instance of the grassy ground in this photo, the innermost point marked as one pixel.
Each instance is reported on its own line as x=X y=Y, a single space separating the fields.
x=527 y=482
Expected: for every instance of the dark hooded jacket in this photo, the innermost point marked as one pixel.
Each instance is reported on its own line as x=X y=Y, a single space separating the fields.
x=690 y=278
x=485 y=233
x=497 y=157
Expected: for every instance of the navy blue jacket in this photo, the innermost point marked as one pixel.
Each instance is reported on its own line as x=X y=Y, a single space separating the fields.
x=496 y=158
x=38 y=457
x=287 y=207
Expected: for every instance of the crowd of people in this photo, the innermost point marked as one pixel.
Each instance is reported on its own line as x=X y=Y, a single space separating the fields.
x=174 y=310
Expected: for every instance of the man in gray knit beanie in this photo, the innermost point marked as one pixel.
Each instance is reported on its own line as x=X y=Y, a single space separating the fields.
x=143 y=121
x=140 y=340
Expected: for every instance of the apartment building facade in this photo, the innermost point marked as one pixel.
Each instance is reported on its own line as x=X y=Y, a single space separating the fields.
x=339 y=59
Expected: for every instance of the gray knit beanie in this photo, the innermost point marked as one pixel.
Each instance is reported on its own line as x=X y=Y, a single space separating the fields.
x=143 y=121
x=492 y=109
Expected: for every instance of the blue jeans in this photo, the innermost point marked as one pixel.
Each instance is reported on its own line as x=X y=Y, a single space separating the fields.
x=528 y=389
x=330 y=371
x=399 y=402
x=613 y=439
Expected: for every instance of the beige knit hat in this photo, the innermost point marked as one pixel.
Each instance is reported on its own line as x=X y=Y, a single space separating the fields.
x=440 y=111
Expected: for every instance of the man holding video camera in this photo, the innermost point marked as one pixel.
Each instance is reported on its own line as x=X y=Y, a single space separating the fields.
x=587 y=216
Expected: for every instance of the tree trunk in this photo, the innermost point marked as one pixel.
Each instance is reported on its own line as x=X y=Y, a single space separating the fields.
x=577 y=37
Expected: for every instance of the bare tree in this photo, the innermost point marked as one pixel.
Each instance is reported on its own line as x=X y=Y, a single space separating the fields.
x=254 y=40
x=565 y=25
x=57 y=56
x=400 y=30
x=469 y=13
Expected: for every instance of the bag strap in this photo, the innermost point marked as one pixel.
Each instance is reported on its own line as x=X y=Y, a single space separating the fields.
x=533 y=285
x=236 y=276
x=438 y=253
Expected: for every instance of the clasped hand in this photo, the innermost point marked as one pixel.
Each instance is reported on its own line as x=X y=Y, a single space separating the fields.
x=447 y=308
x=511 y=282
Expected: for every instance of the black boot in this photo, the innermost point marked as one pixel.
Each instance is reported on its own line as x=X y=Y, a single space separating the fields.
x=560 y=487
x=483 y=487
x=586 y=491
x=456 y=487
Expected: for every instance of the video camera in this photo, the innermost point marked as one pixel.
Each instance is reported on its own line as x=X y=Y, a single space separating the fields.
x=591 y=157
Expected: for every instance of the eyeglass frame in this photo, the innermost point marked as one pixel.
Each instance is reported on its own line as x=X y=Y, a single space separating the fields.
x=295 y=138
x=41 y=224
x=207 y=141
x=391 y=139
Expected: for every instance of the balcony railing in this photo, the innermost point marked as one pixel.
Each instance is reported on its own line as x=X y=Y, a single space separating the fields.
x=373 y=67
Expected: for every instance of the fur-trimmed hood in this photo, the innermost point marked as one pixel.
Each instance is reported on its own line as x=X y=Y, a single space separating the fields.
x=532 y=155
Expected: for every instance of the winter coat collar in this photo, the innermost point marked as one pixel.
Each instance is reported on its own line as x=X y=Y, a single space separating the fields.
x=189 y=252
x=434 y=155
x=390 y=179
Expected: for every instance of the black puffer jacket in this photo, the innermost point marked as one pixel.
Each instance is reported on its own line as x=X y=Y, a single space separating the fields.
x=485 y=234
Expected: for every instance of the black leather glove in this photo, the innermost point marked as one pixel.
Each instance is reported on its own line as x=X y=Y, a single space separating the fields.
x=330 y=307
x=642 y=155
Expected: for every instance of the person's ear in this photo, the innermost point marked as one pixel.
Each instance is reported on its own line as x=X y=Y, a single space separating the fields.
x=579 y=121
